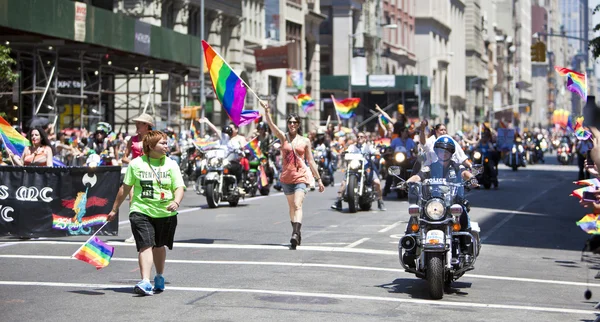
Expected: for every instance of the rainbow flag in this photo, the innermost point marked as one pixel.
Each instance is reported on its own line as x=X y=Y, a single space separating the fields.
x=345 y=108
x=561 y=117
x=589 y=182
x=194 y=130
x=254 y=148
x=306 y=102
x=382 y=142
x=95 y=252
x=580 y=132
x=384 y=120
x=579 y=192
x=13 y=140
x=589 y=224
x=576 y=82
x=229 y=87
x=207 y=144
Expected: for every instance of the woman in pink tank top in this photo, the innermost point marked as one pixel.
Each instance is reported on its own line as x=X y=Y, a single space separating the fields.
x=295 y=151
x=143 y=125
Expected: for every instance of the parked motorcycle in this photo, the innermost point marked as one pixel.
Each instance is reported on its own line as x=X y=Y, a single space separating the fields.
x=220 y=180
x=359 y=191
x=435 y=246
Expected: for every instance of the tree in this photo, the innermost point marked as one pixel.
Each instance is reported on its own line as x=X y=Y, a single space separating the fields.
x=595 y=43
x=6 y=62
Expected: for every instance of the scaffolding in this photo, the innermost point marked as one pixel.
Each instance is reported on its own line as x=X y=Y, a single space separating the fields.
x=77 y=85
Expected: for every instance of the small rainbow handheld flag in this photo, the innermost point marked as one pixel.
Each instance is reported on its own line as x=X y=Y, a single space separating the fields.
x=580 y=132
x=95 y=252
x=229 y=87
x=345 y=108
x=254 y=148
x=306 y=102
x=194 y=130
x=207 y=144
x=576 y=82
x=589 y=224
x=13 y=140
x=384 y=120
x=382 y=142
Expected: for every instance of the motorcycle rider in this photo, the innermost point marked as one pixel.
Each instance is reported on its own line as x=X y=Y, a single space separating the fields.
x=439 y=130
x=445 y=167
x=174 y=149
x=362 y=147
x=100 y=145
x=235 y=143
x=401 y=144
x=322 y=142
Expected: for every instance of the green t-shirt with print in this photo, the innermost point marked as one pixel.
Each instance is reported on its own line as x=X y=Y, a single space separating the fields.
x=151 y=196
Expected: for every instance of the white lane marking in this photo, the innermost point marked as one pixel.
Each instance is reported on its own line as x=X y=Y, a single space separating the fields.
x=311 y=294
x=390 y=227
x=338 y=266
x=8 y=244
x=512 y=214
x=358 y=242
x=333 y=226
x=235 y=246
x=123 y=222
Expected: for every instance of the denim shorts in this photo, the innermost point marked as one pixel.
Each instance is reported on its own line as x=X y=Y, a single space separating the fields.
x=291 y=188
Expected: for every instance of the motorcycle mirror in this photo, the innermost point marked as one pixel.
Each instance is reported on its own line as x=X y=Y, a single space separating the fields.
x=394 y=170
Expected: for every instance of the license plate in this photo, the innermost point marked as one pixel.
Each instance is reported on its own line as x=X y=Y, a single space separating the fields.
x=434 y=237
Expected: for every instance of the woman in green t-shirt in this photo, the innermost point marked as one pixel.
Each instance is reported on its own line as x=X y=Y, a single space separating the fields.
x=157 y=192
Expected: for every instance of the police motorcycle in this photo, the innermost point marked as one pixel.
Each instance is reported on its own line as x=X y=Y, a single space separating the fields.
x=220 y=182
x=435 y=246
x=538 y=147
x=359 y=191
x=320 y=156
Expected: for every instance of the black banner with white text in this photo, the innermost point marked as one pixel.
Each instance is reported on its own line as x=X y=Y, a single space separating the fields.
x=57 y=202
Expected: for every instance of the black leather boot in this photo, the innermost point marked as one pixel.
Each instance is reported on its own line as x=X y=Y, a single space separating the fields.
x=298 y=227
x=294 y=241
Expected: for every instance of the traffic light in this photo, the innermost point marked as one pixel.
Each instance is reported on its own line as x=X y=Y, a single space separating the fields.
x=538 y=52
x=400 y=108
x=527 y=109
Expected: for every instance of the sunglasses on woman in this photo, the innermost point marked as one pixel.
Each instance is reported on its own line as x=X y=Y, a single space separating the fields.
x=292 y=122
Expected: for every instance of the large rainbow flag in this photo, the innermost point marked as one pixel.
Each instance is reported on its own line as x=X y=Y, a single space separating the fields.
x=576 y=82
x=95 y=252
x=306 y=102
x=346 y=107
x=229 y=87
x=13 y=140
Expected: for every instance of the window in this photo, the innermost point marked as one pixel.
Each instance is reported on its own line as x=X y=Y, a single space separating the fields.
x=294 y=38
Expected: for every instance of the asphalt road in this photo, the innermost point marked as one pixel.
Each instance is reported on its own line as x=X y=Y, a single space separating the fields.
x=233 y=264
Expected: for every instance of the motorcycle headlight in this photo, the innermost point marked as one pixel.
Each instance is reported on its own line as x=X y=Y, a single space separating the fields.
x=477 y=155
x=514 y=150
x=354 y=164
x=521 y=148
x=435 y=209
x=213 y=162
x=225 y=162
x=399 y=157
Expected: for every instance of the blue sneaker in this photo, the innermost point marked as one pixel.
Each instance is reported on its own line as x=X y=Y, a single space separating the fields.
x=143 y=288
x=159 y=283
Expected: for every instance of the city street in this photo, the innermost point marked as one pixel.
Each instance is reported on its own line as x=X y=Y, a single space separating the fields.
x=234 y=264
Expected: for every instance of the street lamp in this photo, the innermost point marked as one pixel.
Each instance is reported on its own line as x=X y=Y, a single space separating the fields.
x=449 y=54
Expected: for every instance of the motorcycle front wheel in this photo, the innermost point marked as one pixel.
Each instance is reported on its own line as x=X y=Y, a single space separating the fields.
x=265 y=191
x=435 y=276
x=212 y=195
x=352 y=197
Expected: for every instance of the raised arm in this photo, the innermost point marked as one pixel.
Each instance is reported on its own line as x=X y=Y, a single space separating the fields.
x=385 y=113
x=278 y=133
x=209 y=123
x=422 y=138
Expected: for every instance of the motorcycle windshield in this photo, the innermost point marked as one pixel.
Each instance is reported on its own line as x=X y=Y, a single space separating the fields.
x=220 y=152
